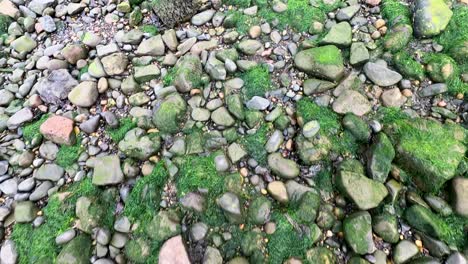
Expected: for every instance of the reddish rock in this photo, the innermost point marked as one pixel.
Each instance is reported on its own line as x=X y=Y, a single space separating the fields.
x=173 y=252
x=58 y=129
x=373 y=2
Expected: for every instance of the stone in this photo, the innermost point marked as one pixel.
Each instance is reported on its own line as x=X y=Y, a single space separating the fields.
x=8 y=253
x=170 y=39
x=25 y=212
x=65 y=237
x=274 y=142
x=107 y=170
x=91 y=39
x=38 y=6
x=203 y=17
x=357 y=127
x=7 y=8
x=284 y=168
x=115 y=64
x=430 y=17
x=9 y=187
x=58 y=129
x=188 y=74
x=212 y=256
x=173 y=252
x=146 y=73
x=153 y=46
x=47 y=23
x=198 y=231
x=339 y=34
x=277 y=190
x=433 y=89
x=49 y=172
x=77 y=251
x=90 y=125
x=6 y=97
x=169 y=112
x=358 y=232
x=84 y=94
x=24 y=44
x=236 y=152
x=424 y=220
x=320 y=255
x=381 y=75
x=460 y=195
x=404 y=251
x=347 y=13
x=322 y=62
x=215 y=68
x=359 y=53
x=351 y=101
x=250 y=46
x=310 y=129
x=258 y=103
x=17 y=119
x=393 y=98
x=385 y=225
x=54 y=88
x=140 y=145
x=314 y=86
x=259 y=210
x=230 y=204
x=379 y=158
x=398 y=38
x=74 y=52
x=222 y=117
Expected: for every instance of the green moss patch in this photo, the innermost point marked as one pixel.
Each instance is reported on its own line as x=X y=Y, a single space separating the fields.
x=31 y=130
x=255 y=144
x=442 y=68
x=257 y=81
x=408 y=66
x=68 y=155
x=4 y=24
x=396 y=12
x=455 y=35
x=125 y=125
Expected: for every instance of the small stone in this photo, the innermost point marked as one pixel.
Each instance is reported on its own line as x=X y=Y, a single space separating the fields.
x=59 y=130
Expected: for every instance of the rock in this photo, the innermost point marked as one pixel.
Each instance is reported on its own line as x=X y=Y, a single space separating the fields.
x=339 y=34
x=385 y=225
x=456 y=258
x=259 y=210
x=320 y=255
x=77 y=251
x=65 y=237
x=91 y=39
x=310 y=129
x=107 y=170
x=47 y=23
x=153 y=46
x=170 y=39
x=169 y=113
x=426 y=221
x=284 y=168
x=38 y=6
x=122 y=225
x=201 y=46
x=54 y=88
x=90 y=125
x=460 y=195
x=379 y=158
x=24 y=44
x=274 y=142
x=358 y=232
x=433 y=89
x=25 y=212
x=258 y=103
x=75 y=52
x=277 y=190
x=221 y=163
x=221 y=117
x=212 y=256
x=381 y=75
x=133 y=36
x=84 y=95
x=49 y=172
x=7 y=8
x=436 y=247
x=323 y=62
x=41 y=191
x=9 y=187
x=173 y=252
x=313 y=86
x=393 y=98
x=359 y=53
x=146 y=73
x=198 y=231
x=59 y=130
x=351 y=101
x=6 y=97
x=188 y=74
x=236 y=152
x=231 y=207
x=347 y=13
x=115 y=64
x=215 y=68
x=430 y=17
x=203 y=17
x=137 y=144
x=398 y=38
x=357 y=127
x=8 y=253
x=404 y=251
x=250 y=47
x=364 y=192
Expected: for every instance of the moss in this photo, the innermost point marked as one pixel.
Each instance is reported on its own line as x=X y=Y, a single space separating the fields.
x=4 y=24
x=239 y=3
x=442 y=68
x=84 y=70
x=191 y=77
x=240 y=21
x=408 y=66
x=456 y=232
x=255 y=144
x=396 y=12
x=327 y=55
x=150 y=29
x=38 y=244
x=456 y=33
x=257 y=82
x=68 y=155
x=390 y=115
x=117 y=134
x=287 y=241
x=31 y=130
x=143 y=201
x=324 y=181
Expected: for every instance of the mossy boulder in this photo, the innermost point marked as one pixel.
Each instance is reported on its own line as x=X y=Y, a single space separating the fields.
x=430 y=17
x=164 y=225
x=426 y=221
x=140 y=145
x=379 y=158
x=429 y=151
x=323 y=62
x=308 y=207
x=408 y=66
x=357 y=127
x=312 y=150
x=259 y=210
x=320 y=255
x=188 y=73
x=169 y=113
x=385 y=225
x=77 y=251
x=138 y=250
x=441 y=67
x=398 y=37
x=358 y=232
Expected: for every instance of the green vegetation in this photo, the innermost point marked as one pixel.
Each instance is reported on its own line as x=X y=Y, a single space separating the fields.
x=117 y=134
x=239 y=3
x=68 y=155
x=192 y=77
x=150 y=29
x=396 y=12
x=143 y=201
x=457 y=228
x=257 y=82
x=327 y=55
x=31 y=130
x=390 y=115
x=343 y=142
x=37 y=245
x=442 y=68
x=255 y=144
x=84 y=70
x=455 y=36
x=408 y=66
x=4 y=24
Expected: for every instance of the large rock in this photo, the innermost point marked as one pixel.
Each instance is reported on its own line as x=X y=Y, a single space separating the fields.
x=358 y=232
x=137 y=144
x=284 y=168
x=364 y=192
x=188 y=73
x=351 y=101
x=24 y=44
x=173 y=252
x=77 y=251
x=107 y=170
x=169 y=113
x=75 y=52
x=323 y=62
x=7 y=8
x=380 y=157
x=340 y=35
x=430 y=17
x=54 y=88
x=426 y=221
x=381 y=75
x=84 y=94
x=153 y=46
x=115 y=64
x=49 y=172
x=460 y=195
x=58 y=129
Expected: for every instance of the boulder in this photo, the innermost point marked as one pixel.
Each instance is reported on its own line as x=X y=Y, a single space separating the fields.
x=107 y=170
x=169 y=112
x=323 y=62
x=357 y=229
x=54 y=88
x=430 y=17
x=58 y=129
x=137 y=144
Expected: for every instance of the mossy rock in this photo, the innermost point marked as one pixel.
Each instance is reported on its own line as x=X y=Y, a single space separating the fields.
x=426 y=221
x=407 y=66
x=440 y=67
x=169 y=113
x=357 y=127
x=323 y=62
x=379 y=158
x=358 y=232
x=77 y=251
x=164 y=225
x=320 y=255
x=187 y=74
x=259 y=210
x=430 y=17
x=398 y=37
x=137 y=144
x=138 y=250
x=308 y=206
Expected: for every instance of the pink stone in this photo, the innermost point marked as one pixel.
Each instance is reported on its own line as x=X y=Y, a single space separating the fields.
x=58 y=129
x=173 y=252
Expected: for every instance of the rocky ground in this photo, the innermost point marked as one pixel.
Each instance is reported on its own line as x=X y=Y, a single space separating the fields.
x=295 y=131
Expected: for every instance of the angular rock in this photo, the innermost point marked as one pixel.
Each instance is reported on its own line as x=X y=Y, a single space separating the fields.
x=379 y=158
x=323 y=62
x=381 y=75
x=351 y=101
x=173 y=252
x=137 y=144
x=188 y=74
x=58 y=129
x=75 y=52
x=54 y=88
x=230 y=204
x=115 y=64
x=107 y=170
x=24 y=44
x=404 y=251
x=169 y=112
x=358 y=232
x=49 y=172
x=25 y=212
x=84 y=95
x=339 y=34
x=153 y=46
